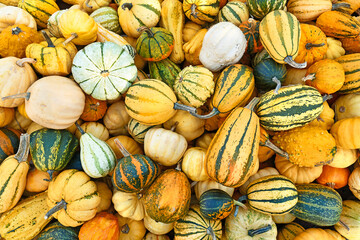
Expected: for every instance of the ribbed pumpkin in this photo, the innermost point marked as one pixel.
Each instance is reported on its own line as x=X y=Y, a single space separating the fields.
x=269 y=75
x=350 y=217
x=129 y=205
x=103 y=226
x=346 y=133
x=318 y=204
x=200 y=11
x=280 y=35
x=108 y=18
x=347 y=106
x=157 y=227
x=168 y=198
x=250 y=29
x=194 y=85
x=351 y=65
x=289 y=231
x=105 y=77
x=10 y=15
x=7 y=115
x=164 y=70
x=235 y=12
x=41 y=10
x=51 y=150
x=116 y=118
x=334 y=177
x=335 y=48
x=58 y=231
x=95 y=128
x=260 y=8
x=9 y=139
x=94 y=109
x=193 y=164
x=131 y=229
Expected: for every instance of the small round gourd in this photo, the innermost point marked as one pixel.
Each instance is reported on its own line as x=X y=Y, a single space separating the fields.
x=193 y=164
x=94 y=109
x=269 y=75
x=116 y=117
x=334 y=177
x=131 y=229
x=130 y=145
x=59 y=231
x=138 y=130
x=129 y=205
x=235 y=12
x=347 y=133
x=268 y=171
x=260 y=8
x=335 y=49
x=354 y=182
x=108 y=18
x=95 y=128
x=103 y=225
x=250 y=29
x=347 y=106
x=313 y=234
x=344 y=158
x=10 y=15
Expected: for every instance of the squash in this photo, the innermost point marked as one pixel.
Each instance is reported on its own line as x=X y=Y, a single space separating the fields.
x=338 y=25
x=13 y=171
x=130 y=229
x=289 y=231
x=103 y=226
x=235 y=12
x=349 y=217
x=129 y=205
x=89 y=70
x=335 y=49
x=36 y=181
x=346 y=106
x=164 y=70
x=189 y=30
x=64 y=189
x=204 y=140
x=334 y=177
x=350 y=64
x=266 y=148
x=250 y=28
x=59 y=231
x=325 y=119
x=6 y=116
x=94 y=109
x=138 y=130
x=26 y=219
x=193 y=47
x=54 y=58
x=283 y=218
x=344 y=158
x=351 y=45
x=20 y=122
x=157 y=227
x=269 y=75
x=10 y=15
x=97 y=129
x=173 y=19
x=157 y=201
x=203 y=186
x=105 y=194
x=193 y=164
x=346 y=133
x=21 y=110
x=259 y=9
x=90 y=6
x=53 y=24
x=17 y=76
x=258 y=57
x=116 y=117
x=108 y=18
x=354 y=183
x=200 y=11
x=130 y=145
x=136 y=13
x=194 y=226
x=313 y=234
x=224 y=44
x=268 y=171
x=41 y=10
x=294 y=76
x=354 y=5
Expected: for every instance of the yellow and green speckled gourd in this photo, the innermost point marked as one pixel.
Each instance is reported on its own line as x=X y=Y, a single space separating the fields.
x=280 y=35
x=307 y=146
x=41 y=10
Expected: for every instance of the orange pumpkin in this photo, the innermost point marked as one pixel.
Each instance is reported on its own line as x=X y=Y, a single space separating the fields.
x=334 y=177
x=351 y=45
x=94 y=109
x=104 y=226
x=37 y=181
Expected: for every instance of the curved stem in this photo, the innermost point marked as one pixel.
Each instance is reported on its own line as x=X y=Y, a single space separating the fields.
x=251 y=105
x=193 y=10
x=21 y=62
x=276 y=149
x=147 y=30
x=327 y=97
x=340 y=5
x=126 y=5
x=121 y=148
x=174 y=126
x=16 y=31
x=193 y=184
x=192 y=111
x=289 y=60
x=309 y=77
x=125 y=229
x=308 y=46
x=278 y=84
x=19 y=95
x=47 y=39
x=344 y=225
x=73 y=36
x=239 y=203
x=258 y=231
x=210 y=231
x=79 y=128
x=24 y=147
x=87 y=4
x=60 y=205
x=178 y=166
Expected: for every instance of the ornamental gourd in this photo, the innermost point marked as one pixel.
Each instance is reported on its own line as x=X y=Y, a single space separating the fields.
x=164 y=70
x=10 y=15
x=103 y=226
x=41 y=10
x=58 y=231
x=116 y=118
x=104 y=70
x=6 y=116
x=157 y=227
x=130 y=229
x=269 y=75
x=203 y=186
x=260 y=8
x=193 y=47
x=235 y=12
x=95 y=128
x=53 y=24
x=289 y=231
x=268 y=171
x=130 y=145
x=105 y=194
x=350 y=218
x=250 y=29
x=351 y=66
x=129 y=205
x=90 y=6
x=313 y=234
x=200 y=11
x=347 y=106
x=108 y=18
x=193 y=164
x=344 y=157
x=334 y=177
x=37 y=181
x=94 y=109
x=335 y=49
x=138 y=130
x=346 y=133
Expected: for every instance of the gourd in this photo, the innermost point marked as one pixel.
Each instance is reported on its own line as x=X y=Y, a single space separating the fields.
x=268 y=171
x=189 y=31
x=15 y=38
x=94 y=109
x=13 y=171
x=351 y=45
x=51 y=150
x=193 y=47
x=266 y=148
x=20 y=122
x=344 y=158
x=350 y=64
x=313 y=234
x=53 y=24
x=334 y=177
x=283 y=218
x=68 y=186
x=104 y=225
x=259 y=9
x=204 y=140
x=250 y=28
x=338 y=25
x=138 y=130
x=108 y=18
x=224 y=44
x=326 y=117
x=346 y=133
x=129 y=205
x=203 y=186
x=44 y=107
x=97 y=129
x=90 y=6
x=335 y=234
x=235 y=12
x=116 y=117
x=283 y=46
x=350 y=217
x=105 y=194
x=269 y=75
x=59 y=231
x=54 y=58
x=164 y=70
x=105 y=77
x=36 y=181
x=193 y=164
x=334 y=49
x=294 y=76
x=6 y=116
x=346 y=106
x=17 y=76
x=157 y=227
x=201 y=12
x=41 y=10
x=10 y=15
x=354 y=183
x=130 y=145
x=289 y=231
x=130 y=229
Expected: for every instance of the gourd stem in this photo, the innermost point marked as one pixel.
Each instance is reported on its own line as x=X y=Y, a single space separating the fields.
x=73 y=36
x=344 y=225
x=174 y=126
x=60 y=205
x=210 y=231
x=193 y=184
x=342 y=109
x=79 y=128
x=330 y=184
x=125 y=229
x=24 y=147
x=239 y=203
x=327 y=97
x=278 y=84
x=309 y=77
x=21 y=62
x=16 y=31
x=121 y=148
x=308 y=46
x=19 y=95
x=178 y=166
x=87 y=4
x=47 y=39
x=127 y=5
x=50 y=172
x=258 y=231
x=340 y=5
x=289 y=60
x=147 y=30
x=193 y=10
x=251 y=105
x=192 y=111
x=276 y=149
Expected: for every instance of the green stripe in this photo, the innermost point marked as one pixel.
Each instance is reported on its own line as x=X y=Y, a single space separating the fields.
x=151 y=8
x=142 y=84
x=3 y=187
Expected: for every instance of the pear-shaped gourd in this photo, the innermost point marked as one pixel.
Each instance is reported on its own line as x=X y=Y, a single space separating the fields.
x=97 y=157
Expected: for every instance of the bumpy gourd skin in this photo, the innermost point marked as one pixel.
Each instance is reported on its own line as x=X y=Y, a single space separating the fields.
x=307 y=146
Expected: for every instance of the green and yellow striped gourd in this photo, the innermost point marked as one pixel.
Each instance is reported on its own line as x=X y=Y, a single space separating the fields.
x=59 y=232
x=318 y=204
x=138 y=130
x=260 y=8
x=164 y=70
x=200 y=11
x=289 y=231
x=108 y=18
x=53 y=24
x=235 y=12
x=350 y=216
x=351 y=65
x=280 y=35
x=41 y=10
x=293 y=106
x=272 y=195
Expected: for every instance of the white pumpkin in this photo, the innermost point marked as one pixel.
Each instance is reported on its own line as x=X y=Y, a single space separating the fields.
x=224 y=44
x=344 y=158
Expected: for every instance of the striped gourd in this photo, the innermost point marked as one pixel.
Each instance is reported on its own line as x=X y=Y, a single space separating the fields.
x=26 y=219
x=9 y=139
x=269 y=75
x=232 y=155
x=260 y=8
x=280 y=35
x=351 y=65
x=293 y=106
x=272 y=195
x=150 y=102
x=351 y=217
x=235 y=12
x=259 y=57
x=59 y=232
x=194 y=85
x=289 y=231
x=250 y=29
x=53 y=24
x=41 y=10
x=194 y=226
x=200 y=11
x=105 y=35
x=108 y=18
x=51 y=150
x=164 y=70
x=138 y=130
x=318 y=204
x=13 y=171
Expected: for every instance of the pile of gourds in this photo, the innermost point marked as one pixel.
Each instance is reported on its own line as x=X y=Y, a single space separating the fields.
x=169 y=119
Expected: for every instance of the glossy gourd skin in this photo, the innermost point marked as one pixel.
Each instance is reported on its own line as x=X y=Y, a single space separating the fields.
x=235 y=12
x=351 y=65
x=204 y=11
x=58 y=231
x=216 y=204
x=9 y=142
x=103 y=226
x=250 y=29
x=265 y=72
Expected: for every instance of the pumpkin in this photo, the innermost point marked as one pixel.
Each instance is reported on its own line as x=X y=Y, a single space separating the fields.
x=164 y=70
x=130 y=145
x=224 y=44
x=269 y=75
x=98 y=130
x=283 y=218
x=41 y=10
x=91 y=5
x=105 y=194
x=312 y=45
x=17 y=76
x=108 y=18
x=346 y=106
x=94 y=109
x=335 y=49
x=349 y=217
x=266 y=148
x=89 y=70
x=6 y=116
x=189 y=31
x=250 y=29
x=258 y=57
x=15 y=38
x=280 y=35
x=200 y=11
x=260 y=8
x=54 y=57
x=157 y=227
x=134 y=14
x=313 y=234
x=59 y=231
x=335 y=234
x=204 y=140
x=354 y=183
x=350 y=64
x=193 y=47
x=103 y=226
x=289 y=231
x=20 y=122
x=130 y=229
x=344 y=158
x=53 y=24
x=325 y=119
x=294 y=76
x=235 y=12
x=10 y=15
x=268 y=171
x=334 y=177
x=129 y=205
x=351 y=45
x=78 y=27
x=346 y=133
x=193 y=164
x=327 y=76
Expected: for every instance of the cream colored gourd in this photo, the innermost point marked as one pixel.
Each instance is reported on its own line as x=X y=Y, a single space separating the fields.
x=193 y=164
x=53 y=24
x=131 y=229
x=34 y=127
x=95 y=128
x=91 y=5
x=350 y=216
x=157 y=227
x=20 y=122
x=11 y=15
x=129 y=205
x=268 y=171
x=203 y=186
x=283 y=218
x=164 y=146
x=116 y=118
x=344 y=158
x=224 y=44
x=334 y=49
x=347 y=106
x=354 y=182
